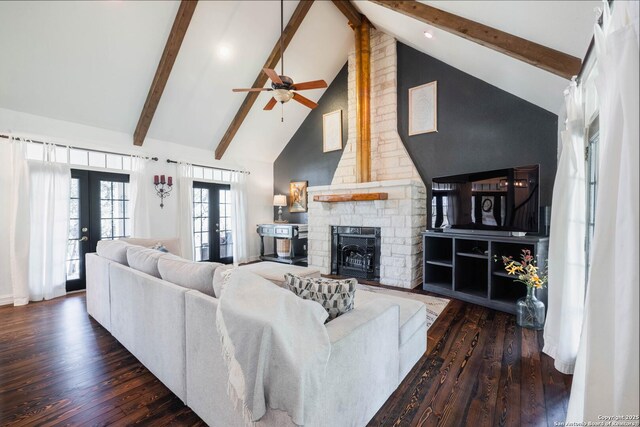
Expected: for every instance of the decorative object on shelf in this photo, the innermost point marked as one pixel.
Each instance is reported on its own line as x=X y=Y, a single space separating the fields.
x=529 y=310
x=298 y=193
x=423 y=108
x=332 y=131
x=283 y=248
x=280 y=200
x=163 y=187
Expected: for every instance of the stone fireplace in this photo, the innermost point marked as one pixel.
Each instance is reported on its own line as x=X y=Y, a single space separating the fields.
x=401 y=216
x=400 y=220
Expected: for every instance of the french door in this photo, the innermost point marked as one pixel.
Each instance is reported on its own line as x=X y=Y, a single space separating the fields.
x=99 y=209
x=212 y=222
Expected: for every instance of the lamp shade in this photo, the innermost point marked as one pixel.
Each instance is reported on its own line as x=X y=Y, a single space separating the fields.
x=280 y=200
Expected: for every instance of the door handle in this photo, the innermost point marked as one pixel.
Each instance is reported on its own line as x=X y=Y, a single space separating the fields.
x=84 y=239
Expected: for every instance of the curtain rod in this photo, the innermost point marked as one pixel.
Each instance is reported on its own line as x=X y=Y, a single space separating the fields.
x=583 y=67
x=212 y=167
x=155 y=159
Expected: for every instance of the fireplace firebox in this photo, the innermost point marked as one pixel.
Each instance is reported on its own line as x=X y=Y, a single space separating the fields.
x=355 y=252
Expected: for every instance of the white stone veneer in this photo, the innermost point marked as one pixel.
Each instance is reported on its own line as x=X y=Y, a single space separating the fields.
x=401 y=218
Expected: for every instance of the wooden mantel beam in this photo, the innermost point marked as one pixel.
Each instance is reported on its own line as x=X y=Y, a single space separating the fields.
x=548 y=59
x=349 y=11
x=169 y=55
x=289 y=31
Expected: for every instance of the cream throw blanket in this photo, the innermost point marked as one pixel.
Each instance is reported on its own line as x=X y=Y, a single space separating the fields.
x=275 y=345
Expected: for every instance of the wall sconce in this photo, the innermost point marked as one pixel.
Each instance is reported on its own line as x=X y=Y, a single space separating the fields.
x=280 y=200
x=163 y=187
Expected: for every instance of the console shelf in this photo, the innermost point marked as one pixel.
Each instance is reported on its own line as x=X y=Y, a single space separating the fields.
x=462 y=266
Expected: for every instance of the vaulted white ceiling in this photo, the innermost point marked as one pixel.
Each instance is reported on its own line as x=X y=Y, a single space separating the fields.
x=93 y=62
x=566 y=26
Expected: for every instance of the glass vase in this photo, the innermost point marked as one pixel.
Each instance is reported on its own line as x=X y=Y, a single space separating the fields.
x=530 y=311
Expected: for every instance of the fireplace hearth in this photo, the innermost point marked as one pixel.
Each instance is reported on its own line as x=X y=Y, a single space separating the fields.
x=355 y=252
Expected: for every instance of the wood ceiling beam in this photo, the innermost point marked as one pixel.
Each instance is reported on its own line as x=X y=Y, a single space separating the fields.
x=169 y=55
x=548 y=59
x=273 y=59
x=363 y=101
x=349 y=11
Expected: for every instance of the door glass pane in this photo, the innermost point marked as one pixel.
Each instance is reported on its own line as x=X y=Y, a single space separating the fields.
x=226 y=245
x=73 y=246
x=201 y=223
x=114 y=210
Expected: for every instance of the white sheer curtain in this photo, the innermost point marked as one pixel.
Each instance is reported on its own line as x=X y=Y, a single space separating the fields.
x=185 y=209
x=240 y=218
x=606 y=377
x=566 y=243
x=139 y=184
x=49 y=225
x=19 y=219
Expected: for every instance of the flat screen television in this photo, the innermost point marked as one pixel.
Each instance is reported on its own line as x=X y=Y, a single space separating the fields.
x=500 y=200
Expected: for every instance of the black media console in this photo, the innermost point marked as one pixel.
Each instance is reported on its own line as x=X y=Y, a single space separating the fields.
x=462 y=266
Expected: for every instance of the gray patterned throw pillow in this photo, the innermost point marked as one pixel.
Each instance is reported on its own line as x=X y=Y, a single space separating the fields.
x=336 y=296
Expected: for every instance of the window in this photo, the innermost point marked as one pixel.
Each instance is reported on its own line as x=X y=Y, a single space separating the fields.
x=80 y=157
x=73 y=242
x=201 y=223
x=591 y=156
x=114 y=210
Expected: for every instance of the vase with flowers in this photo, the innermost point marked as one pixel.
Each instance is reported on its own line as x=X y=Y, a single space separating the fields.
x=530 y=311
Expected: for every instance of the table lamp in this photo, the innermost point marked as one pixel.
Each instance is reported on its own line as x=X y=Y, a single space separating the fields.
x=280 y=200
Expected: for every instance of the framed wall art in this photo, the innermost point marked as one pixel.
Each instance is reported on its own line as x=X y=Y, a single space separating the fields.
x=332 y=131
x=423 y=108
x=298 y=196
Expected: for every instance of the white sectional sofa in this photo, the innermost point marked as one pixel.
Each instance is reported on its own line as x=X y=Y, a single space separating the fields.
x=171 y=329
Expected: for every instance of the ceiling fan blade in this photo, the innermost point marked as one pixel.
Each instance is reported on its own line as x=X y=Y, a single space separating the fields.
x=272 y=75
x=253 y=89
x=315 y=84
x=272 y=103
x=304 y=101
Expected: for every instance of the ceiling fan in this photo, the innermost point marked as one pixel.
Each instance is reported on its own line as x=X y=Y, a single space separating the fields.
x=283 y=87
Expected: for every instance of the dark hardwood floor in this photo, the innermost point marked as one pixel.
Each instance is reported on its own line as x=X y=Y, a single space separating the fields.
x=60 y=367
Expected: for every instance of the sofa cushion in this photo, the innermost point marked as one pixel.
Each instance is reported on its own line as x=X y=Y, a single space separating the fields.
x=188 y=274
x=413 y=314
x=275 y=271
x=114 y=250
x=172 y=245
x=144 y=259
x=336 y=296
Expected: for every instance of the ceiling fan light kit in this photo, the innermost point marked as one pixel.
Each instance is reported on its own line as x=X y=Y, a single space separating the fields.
x=283 y=87
x=282 y=95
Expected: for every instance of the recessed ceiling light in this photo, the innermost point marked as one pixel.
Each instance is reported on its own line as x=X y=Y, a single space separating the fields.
x=224 y=51
x=428 y=34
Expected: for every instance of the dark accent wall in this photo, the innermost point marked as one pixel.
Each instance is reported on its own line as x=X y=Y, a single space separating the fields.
x=302 y=159
x=480 y=127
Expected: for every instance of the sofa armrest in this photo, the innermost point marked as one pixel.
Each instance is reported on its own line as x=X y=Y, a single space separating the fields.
x=98 y=289
x=363 y=367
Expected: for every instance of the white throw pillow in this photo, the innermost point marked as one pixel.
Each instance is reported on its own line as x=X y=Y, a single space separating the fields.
x=144 y=259
x=114 y=250
x=188 y=274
